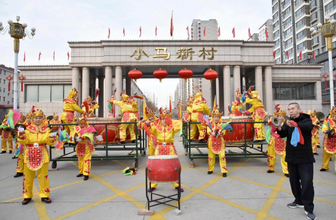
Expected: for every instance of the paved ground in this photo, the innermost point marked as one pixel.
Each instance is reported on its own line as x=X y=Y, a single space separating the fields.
x=247 y=193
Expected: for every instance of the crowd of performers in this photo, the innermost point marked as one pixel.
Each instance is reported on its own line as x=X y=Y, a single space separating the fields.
x=32 y=133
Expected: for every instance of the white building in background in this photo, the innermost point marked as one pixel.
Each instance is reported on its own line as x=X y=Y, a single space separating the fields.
x=198 y=26
x=6 y=97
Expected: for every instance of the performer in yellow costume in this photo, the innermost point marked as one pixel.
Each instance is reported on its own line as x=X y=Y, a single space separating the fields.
x=258 y=113
x=199 y=108
x=151 y=138
x=69 y=108
x=6 y=137
x=164 y=129
x=127 y=109
x=36 y=137
x=91 y=105
x=329 y=140
x=19 y=162
x=236 y=108
x=277 y=145
x=187 y=116
x=216 y=143
x=84 y=147
x=315 y=131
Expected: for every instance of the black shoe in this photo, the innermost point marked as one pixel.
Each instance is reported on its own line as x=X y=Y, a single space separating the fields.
x=14 y=157
x=79 y=175
x=318 y=146
x=86 y=178
x=259 y=140
x=316 y=153
x=224 y=175
x=287 y=175
x=201 y=141
x=10 y=152
x=210 y=172
x=46 y=200
x=270 y=171
x=122 y=142
x=26 y=201
x=323 y=169
x=3 y=152
x=18 y=175
x=151 y=189
x=133 y=141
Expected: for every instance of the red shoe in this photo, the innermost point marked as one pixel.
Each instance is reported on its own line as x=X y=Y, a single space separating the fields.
x=26 y=201
x=182 y=190
x=151 y=189
x=46 y=200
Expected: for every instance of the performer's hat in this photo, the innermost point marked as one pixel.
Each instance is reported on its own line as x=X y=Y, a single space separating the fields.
x=279 y=111
x=82 y=120
x=333 y=111
x=149 y=112
x=22 y=117
x=73 y=92
x=216 y=112
x=36 y=111
x=55 y=115
x=88 y=99
x=123 y=95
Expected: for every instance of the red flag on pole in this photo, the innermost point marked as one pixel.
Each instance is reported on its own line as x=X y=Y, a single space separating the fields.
x=287 y=54
x=24 y=57
x=124 y=32
x=300 y=55
x=314 y=55
x=171 y=25
x=54 y=56
x=68 y=55
x=155 y=31
x=249 y=33
x=140 y=31
x=266 y=33
x=188 y=31
x=204 y=32
x=109 y=32
x=39 y=57
x=234 y=32
x=273 y=54
x=219 y=32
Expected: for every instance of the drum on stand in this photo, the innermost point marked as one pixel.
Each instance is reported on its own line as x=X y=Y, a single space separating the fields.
x=163 y=168
x=237 y=134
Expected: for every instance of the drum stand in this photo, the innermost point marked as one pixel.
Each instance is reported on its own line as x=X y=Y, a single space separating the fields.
x=162 y=198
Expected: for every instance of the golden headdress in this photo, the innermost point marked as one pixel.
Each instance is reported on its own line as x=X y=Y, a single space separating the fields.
x=311 y=112
x=22 y=118
x=88 y=99
x=82 y=120
x=73 y=92
x=29 y=114
x=164 y=113
x=37 y=112
x=333 y=112
x=279 y=111
x=216 y=112
x=55 y=115
x=123 y=95
x=149 y=112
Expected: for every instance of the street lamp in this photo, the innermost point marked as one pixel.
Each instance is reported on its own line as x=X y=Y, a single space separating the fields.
x=16 y=31
x=328 y=30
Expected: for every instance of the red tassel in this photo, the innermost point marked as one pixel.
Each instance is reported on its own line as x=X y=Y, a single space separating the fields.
x=8 y=86
x=325 y=83
x=21 y=86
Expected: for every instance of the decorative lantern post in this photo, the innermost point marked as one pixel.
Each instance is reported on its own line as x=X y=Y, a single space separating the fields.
x=9 y=78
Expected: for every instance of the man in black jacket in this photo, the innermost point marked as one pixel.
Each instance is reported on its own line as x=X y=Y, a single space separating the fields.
x=300 y=159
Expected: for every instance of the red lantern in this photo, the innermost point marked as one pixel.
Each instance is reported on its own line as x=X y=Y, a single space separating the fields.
x=22 y=77
x=210 y=75
x=9 y=78
x=135 y=74
x=160 y=74
x=185 y=74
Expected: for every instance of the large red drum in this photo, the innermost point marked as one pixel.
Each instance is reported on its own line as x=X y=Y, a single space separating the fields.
x=163 y=168
x=237 y=135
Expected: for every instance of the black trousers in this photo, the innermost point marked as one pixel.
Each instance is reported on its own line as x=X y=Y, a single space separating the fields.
x=301 y=181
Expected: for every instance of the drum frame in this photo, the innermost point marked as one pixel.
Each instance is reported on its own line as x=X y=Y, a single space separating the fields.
x=162 y=199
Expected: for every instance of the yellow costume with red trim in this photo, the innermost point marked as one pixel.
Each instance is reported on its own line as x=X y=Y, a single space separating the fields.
x=315 y=131
x=36 y=156
x=165 y=136
x=236 y=108
x=92 y=107
x=84 y=149
x=151 y=138
x=128 y=115
x=6 y=137
x=216 y=143
x=277 y=145
x=69 y=108
x=19 y=161
x=329 y=143
x=199 y=108
x=258 y=114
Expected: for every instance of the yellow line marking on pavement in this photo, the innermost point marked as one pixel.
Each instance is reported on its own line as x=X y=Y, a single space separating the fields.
x=263 y=213
x=325 y=200
x=325 y=182
x=159 y=215
x=39 y=205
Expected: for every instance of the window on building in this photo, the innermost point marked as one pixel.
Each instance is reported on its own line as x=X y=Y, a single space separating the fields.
x=276 y=34
x=4 y=81
x=289 y=43
x=0 y=80
x=313 y=4
x=287 y=23
x=330 y=7
x=301 y=35
x=302 y=46
x=46 y=93
x=286 y=12
x=7 y=102
x=12 y=99
x=8 y=94
x=288 y=33
x=293 y=91
x=315 y=40
x=4 y=98
x=276 y=16
x=313 y=16
x=275 y=25
x=275 y=7
x=0 y=89
x=4 y=90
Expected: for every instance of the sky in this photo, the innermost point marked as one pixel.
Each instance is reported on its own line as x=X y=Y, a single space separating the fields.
x=58 y=22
